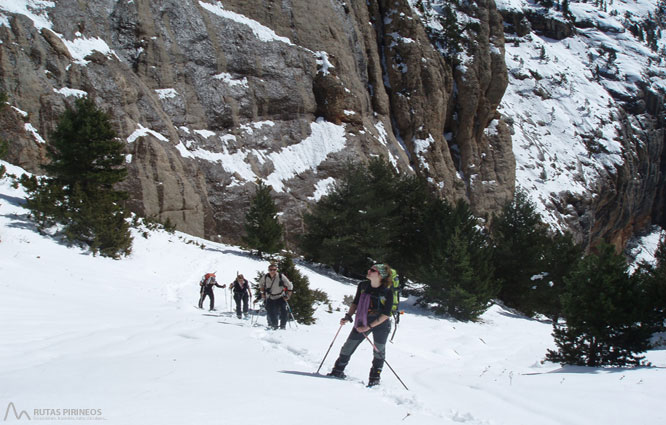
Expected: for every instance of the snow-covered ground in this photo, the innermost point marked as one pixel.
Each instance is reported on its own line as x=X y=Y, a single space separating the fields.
x=122 y=341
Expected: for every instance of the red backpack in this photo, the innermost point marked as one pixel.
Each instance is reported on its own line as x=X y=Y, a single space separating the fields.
x=208 y=279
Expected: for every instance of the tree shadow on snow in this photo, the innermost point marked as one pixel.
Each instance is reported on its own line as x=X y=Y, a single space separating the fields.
x=13 y=200
x=237 y=253
x=23 y=221
x=592 y=370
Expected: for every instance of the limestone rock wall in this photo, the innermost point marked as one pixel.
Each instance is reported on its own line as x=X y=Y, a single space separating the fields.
x=212 y=95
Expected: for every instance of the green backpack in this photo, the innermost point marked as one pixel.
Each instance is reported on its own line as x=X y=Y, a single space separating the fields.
x=396 y=301
x=396 y=291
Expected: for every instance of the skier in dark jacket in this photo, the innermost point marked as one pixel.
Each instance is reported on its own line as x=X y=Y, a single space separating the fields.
x=372 y=305
x=241 y=291
x=207 y=282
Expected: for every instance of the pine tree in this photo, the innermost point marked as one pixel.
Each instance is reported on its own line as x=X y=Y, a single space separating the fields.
x=448 y=38
x=330 y=236
x=653 y=278
x=561 y=255
x=604 y=310
x=456 y=265
x=519 y=255
x=657 y=291
x=263 y=231
x=87 y=162
x=375 y=214
x=413 y=195
x=356 y=221
x=303 y=298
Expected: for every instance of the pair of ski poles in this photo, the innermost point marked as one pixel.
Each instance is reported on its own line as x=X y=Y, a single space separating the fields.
x=373 y=346
x=255 y=317
x=291 y=313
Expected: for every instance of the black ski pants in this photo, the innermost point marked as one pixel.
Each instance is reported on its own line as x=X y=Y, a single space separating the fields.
x=238 y=297
x=207 y=292
x=275 y=308
x=379 y=336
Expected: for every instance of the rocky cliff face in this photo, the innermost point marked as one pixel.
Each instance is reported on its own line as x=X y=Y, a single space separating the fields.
x=586 y=104
x=211 y=96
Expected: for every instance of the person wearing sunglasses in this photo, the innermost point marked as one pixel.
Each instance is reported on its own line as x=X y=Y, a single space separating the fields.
x=275 y=290
x=372 y=306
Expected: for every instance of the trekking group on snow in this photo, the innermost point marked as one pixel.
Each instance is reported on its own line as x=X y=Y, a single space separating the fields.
x=374 y=304
x=275 y=290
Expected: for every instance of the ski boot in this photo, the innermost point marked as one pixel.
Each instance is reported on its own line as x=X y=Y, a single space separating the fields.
x=373 y=379
x=337 y=373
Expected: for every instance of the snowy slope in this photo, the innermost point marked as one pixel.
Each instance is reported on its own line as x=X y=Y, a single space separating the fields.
x=124 y=340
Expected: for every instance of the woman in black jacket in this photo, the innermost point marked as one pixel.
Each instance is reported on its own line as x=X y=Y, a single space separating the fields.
x=372 y=305
x=241 y=291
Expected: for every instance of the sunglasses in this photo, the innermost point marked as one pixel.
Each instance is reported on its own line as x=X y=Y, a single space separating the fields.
x=272 y=270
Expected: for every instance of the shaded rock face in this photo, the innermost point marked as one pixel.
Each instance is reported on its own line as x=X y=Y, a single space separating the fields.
x=523 y=22
x=626 y=196
x=211 y=96
x=632 y=198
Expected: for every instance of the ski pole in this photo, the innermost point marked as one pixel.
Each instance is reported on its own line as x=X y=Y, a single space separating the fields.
x=232 y=299
x=290 y=312
x=385 y=361
x=329 y=349
x=225 y=298
x=396 y=317
x=254 y=314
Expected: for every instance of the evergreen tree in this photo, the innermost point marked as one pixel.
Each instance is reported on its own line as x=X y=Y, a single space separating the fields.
x=303 y=298
x=448 y=39
x=561 y=255
x=604 y=310
x=87 y=162
x=263 y=231
x=375 y=214
x=407 y=238
x=331 y=237
x=520 y=239
x=355 y=222
x=456 y=265
x=658 y=286
x=653 y=278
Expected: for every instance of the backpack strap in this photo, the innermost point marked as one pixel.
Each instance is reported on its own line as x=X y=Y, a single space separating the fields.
x=266 y=287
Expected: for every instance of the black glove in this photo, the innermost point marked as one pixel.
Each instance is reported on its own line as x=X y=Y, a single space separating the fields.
x=348 y=318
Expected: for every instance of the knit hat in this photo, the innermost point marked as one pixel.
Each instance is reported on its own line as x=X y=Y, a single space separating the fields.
x=382 y=269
